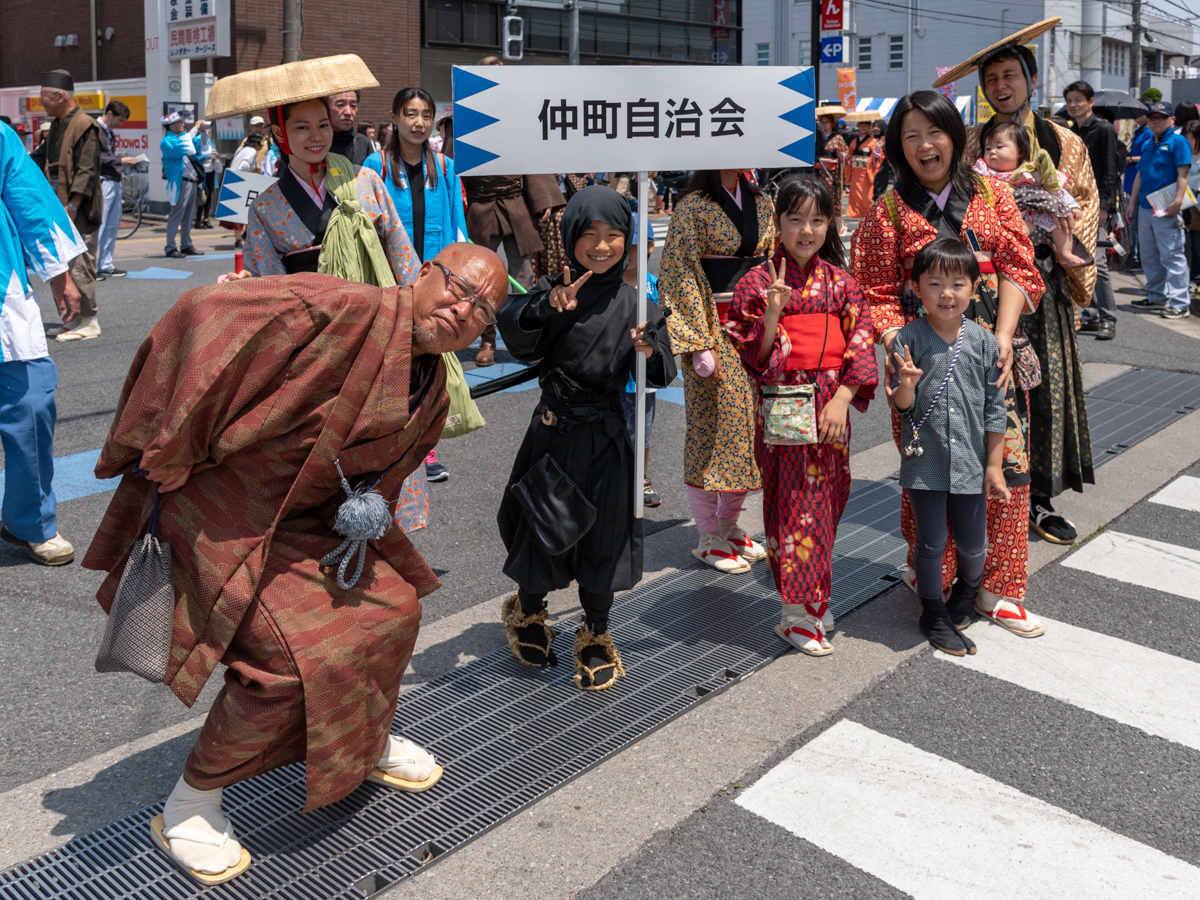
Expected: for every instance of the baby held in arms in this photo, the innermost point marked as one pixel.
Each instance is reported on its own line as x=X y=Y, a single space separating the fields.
x=1040 y=190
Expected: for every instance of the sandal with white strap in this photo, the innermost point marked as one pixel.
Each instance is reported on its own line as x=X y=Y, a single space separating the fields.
x=163 y=837
x=747 y=548
x=1008 y=614
x=720 y=554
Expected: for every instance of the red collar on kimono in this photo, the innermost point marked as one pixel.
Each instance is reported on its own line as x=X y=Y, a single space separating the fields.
x=805 y=275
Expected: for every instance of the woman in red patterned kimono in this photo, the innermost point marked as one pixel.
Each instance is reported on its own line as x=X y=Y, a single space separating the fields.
x=800 y=319
x=936 y=195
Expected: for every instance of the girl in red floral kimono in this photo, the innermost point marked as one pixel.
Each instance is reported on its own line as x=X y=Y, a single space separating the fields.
x=800 y=319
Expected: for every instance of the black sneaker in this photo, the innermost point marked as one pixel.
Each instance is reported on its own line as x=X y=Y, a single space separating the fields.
x=1175 y=312
x=436 y=472
x=172 y=253
x=1089 y=325
x=191 y=251
x=1051 y=525
x=1147 y=303
x=115 y=273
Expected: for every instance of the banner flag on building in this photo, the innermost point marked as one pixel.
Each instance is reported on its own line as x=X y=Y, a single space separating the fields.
x=951 y=89
x=238 y=191
x=538 y=119
x=847 y=93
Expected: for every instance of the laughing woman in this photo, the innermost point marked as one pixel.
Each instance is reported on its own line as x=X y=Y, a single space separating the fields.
x=937 y=195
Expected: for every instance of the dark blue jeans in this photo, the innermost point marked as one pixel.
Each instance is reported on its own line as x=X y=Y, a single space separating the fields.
x=968 y=514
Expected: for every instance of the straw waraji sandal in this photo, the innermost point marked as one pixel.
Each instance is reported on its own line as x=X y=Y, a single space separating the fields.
x=603 y=674
x=163 y=843
x=524 y=631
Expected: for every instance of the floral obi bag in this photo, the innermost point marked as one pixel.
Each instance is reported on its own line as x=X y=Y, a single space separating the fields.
x=789 y=410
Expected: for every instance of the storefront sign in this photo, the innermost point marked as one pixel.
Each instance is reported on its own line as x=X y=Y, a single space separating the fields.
x=833 y=15
x=89 y=101
x=950 y=90
x=196 y=29
x=983 y=109
x=533 y=119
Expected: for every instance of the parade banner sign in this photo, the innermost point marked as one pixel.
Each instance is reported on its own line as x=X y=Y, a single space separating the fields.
x=847 y=90
x=951 y=89
x=238 y=191
x=983 y=109
x=538 y=119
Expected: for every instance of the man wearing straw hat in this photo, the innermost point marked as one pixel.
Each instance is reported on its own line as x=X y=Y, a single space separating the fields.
x=1060 y=447
x=277 y=417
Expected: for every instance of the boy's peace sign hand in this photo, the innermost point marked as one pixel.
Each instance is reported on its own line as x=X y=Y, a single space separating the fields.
x=778 y=293
x=562 y=296
x=909 y=373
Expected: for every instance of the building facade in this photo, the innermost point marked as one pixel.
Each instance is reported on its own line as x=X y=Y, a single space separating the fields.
x=897 y=46
x=611 y=32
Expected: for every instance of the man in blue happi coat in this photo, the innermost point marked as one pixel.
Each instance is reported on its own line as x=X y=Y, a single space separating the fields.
x=35 y=232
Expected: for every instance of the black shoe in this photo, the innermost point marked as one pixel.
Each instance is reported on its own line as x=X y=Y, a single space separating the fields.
x=115 y=273
x=191 y=251
x=100 y=278
x=1051 y=525
x=935 y=624
x=1089 y=325
x=172 y=253
x=436 y=472
x=961 y=605
x=1175 y=312
x=1106 y=330
x=1147 y=303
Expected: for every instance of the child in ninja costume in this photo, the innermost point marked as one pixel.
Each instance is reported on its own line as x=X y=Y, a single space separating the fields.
x=567 y=514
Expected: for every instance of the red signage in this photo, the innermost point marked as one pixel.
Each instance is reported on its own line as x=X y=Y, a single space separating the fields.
x=833 y=15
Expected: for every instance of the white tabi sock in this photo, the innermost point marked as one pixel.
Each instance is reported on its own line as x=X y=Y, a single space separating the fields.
x=199 y=834
x=405 y=760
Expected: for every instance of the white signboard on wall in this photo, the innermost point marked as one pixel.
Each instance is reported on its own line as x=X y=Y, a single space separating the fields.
x=196 y=29
x=536 y=119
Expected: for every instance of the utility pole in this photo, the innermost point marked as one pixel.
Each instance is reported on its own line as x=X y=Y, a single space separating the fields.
x=574 y=46
x=1135 y=51
x=815 y=52
x=293 y=29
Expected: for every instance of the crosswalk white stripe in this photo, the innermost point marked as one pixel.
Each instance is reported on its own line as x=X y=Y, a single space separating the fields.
x=939 y=831
x=1182 y=493
x=1137 y=560
x=1134 y=685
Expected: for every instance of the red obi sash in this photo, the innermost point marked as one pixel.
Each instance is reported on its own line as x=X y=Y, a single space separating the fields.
x=809 y=332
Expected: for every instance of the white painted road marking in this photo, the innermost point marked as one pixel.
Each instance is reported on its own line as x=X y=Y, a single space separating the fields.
x=1131 y=684
x=1137 y=560
x=1182 y=493
x=939 y=831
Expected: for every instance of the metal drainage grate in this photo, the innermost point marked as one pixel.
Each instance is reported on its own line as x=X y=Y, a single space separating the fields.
x=507 y=734
x=1134 y=405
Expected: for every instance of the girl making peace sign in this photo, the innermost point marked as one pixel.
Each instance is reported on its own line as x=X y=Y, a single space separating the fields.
x=803 y=331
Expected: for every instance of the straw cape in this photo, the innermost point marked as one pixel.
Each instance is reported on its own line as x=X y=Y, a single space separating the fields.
x=864 y=115
x=292 y=82
x=1023 y=36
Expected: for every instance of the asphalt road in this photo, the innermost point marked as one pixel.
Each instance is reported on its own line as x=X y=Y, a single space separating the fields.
x=52 y=626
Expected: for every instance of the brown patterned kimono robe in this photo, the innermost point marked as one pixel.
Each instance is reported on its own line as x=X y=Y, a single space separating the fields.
x=1060 y=440
x=718 y=452
x=260 y=386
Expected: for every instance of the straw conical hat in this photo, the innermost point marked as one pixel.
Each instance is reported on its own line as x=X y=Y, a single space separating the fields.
x=290 y=83
x=831 y=109
x=864 y=115
x=1024 y=36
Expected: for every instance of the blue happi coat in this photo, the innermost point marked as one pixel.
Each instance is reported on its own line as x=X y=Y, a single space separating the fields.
x=35 y=232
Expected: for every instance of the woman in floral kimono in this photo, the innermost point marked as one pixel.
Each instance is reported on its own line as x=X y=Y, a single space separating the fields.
x=722 y=228
x=937 y=195
x=800 y=319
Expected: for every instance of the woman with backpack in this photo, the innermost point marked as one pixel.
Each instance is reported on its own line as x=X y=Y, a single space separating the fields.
x=422 y=183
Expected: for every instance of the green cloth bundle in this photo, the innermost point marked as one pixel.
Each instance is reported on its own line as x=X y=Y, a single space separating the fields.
x=351 y=249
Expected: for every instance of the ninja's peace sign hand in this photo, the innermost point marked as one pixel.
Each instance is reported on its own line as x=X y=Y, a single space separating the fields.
x=562 y=296
x=778 y=293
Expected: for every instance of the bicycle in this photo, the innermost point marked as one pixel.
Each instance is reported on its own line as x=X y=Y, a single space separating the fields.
x=133 y=202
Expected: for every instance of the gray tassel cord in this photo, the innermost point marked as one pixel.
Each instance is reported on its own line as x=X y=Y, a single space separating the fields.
x=363 y=516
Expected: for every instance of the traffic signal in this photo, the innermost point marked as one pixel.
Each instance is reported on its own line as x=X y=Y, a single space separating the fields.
x=514 y=37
